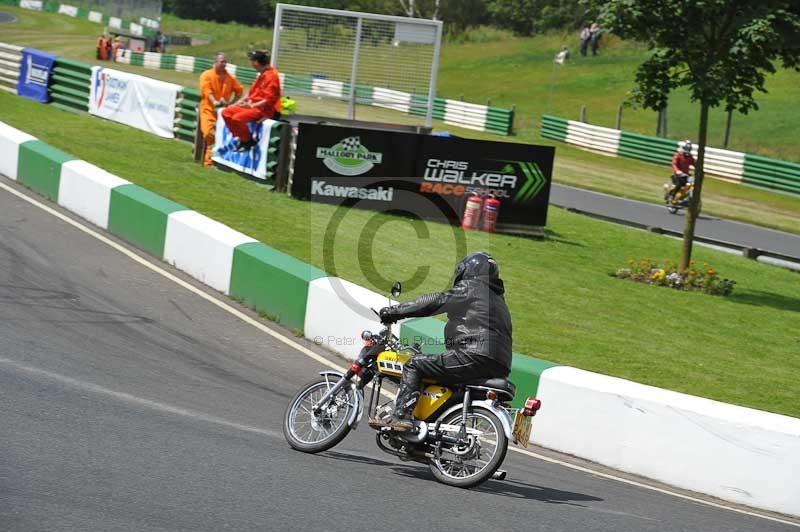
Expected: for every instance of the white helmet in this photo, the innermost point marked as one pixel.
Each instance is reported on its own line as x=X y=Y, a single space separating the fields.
x=685 y=146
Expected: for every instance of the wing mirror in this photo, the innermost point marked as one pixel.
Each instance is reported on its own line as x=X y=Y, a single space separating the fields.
x=397 y=289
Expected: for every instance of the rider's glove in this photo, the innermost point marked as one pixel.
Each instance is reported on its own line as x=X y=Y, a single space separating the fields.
x=387 y=315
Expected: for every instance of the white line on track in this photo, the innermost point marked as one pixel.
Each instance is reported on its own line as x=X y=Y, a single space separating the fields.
x=128 y=398
x=322 y=360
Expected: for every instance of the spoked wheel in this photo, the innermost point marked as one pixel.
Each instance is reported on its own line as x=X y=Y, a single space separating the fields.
x=476 y=461
x=314 y=433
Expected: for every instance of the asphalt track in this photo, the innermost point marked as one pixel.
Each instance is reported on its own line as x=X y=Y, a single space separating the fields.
x=129 y=402
x=6 y=18
x=652 y=215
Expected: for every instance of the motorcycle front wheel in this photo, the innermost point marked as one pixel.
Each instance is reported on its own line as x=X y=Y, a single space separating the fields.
x=313 y=433
x=471 y=465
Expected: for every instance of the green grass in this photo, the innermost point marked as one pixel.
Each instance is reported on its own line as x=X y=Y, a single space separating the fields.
x=492 y=65
x=566 y=306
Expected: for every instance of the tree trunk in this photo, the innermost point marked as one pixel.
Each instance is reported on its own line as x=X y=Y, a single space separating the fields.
x=694 y=205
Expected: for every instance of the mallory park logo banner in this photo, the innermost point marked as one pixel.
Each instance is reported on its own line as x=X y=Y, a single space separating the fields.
x=137 y=101
x=349 y=157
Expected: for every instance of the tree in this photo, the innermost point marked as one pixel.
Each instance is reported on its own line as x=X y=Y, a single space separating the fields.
x=720 y=50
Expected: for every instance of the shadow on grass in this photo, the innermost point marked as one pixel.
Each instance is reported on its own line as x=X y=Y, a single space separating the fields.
x=759 y=298
x=554 y=236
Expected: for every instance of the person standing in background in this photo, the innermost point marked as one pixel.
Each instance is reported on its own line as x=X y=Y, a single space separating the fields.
x=163 y=41
x=594 y=37
x=584 y=37
x=101 y=47
x=218 y=88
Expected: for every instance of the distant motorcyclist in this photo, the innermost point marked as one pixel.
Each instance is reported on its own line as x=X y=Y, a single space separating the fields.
x=681 y=162
x=477 y=335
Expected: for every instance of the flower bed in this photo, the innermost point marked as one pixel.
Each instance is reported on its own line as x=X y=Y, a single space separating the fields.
x=705 y=279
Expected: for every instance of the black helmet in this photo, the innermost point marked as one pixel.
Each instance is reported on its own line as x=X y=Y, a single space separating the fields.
x=479 y=264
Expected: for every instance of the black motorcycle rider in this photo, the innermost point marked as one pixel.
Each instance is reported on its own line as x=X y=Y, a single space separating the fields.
x=477 y=335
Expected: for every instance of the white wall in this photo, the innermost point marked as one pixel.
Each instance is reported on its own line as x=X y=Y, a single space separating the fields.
x=738 y=454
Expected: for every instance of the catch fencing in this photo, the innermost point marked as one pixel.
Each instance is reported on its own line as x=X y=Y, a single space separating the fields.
x=733 y=166
x=10 y=59
x=473 y=116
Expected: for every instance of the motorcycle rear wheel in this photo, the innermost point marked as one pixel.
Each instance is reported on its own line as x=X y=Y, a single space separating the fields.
x=461 y=475
x=314 y=433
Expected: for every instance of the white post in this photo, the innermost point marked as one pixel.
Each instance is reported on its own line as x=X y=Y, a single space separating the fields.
x=351 y=106
x=434 y=76
x=276 y=35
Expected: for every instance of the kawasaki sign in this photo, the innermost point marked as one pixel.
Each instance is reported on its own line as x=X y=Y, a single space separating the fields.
x=422 y=175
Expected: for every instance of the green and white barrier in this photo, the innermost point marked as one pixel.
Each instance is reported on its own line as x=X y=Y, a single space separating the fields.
x=10 y=61
x=463 y=114
x=734 y=453
x=144 y=26
x=733 y=166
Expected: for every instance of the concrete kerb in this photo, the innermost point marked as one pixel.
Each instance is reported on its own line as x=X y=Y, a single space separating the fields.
x=10 y=141
x=641 y=429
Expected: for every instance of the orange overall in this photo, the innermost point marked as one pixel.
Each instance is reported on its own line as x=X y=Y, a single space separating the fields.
x=266 y=88
x=219 y=88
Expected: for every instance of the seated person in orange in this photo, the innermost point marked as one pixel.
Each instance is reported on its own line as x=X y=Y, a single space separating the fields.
x=218 y=88
x=263 y=101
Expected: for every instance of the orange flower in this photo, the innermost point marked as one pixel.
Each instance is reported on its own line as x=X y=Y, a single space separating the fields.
x=692 y=272
x=711 y=271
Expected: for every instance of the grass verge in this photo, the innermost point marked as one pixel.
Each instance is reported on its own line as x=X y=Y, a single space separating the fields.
x=566 y=305
x=518 y=72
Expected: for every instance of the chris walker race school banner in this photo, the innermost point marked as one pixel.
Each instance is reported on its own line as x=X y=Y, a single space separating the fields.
x=137 y=101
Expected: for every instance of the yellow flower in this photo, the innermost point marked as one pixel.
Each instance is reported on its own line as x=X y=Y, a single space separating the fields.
x=711 y=271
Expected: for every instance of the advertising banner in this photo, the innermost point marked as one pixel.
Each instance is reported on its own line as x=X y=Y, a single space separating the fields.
x=422 y=175
x=35 y=5
x=137 y=101
x=34 y=74
x=252 y=162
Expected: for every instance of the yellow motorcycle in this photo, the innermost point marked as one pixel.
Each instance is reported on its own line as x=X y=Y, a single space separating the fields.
x=682 y=197
x=461 y=432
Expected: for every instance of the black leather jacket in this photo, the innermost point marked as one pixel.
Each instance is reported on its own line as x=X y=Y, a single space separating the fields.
x=479 y=323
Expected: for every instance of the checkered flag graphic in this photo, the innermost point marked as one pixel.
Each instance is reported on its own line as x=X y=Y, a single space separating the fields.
x=351 y=143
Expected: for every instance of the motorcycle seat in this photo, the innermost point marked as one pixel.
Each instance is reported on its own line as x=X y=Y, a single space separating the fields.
x=504 y=388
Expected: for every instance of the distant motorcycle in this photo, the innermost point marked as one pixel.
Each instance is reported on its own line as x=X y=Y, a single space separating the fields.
x=461 y=432
x=682 y=197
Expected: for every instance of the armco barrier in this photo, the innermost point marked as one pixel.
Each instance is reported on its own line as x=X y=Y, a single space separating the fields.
x=468 y=115
x=10 y=59
x=733 y=166
x=70 y=84
x=735 y=453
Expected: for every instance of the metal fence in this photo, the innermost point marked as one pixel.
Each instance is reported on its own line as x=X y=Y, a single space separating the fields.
x=341 y=51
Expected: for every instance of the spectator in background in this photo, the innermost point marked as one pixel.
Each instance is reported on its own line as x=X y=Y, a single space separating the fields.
x=218 y=88
x=115 y=48
x=594 y=37
x=109 y=49
x=585 y=35
x=263 y=101
x=163 y=41
x=101 y=47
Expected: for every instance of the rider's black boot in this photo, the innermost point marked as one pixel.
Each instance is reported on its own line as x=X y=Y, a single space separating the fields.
x=402 y=418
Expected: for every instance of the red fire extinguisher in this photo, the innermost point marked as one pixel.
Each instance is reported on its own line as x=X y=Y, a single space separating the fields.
x=491 y=210
x=472 y=212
